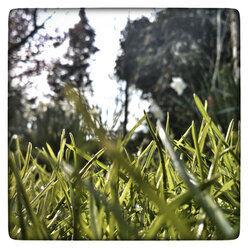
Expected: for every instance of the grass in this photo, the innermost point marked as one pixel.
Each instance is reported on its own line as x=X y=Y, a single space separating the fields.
x=171 y=189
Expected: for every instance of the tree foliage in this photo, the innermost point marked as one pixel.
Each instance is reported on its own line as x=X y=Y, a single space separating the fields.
x=72 y=68
x=178 y=43
x=26 y=43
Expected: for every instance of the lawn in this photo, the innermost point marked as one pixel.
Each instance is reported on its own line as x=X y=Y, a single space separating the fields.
x=186 y=189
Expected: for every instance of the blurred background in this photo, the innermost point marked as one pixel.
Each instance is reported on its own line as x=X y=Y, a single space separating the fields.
x=123 y=61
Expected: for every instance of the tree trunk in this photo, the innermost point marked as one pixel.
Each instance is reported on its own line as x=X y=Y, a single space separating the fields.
x=126 y=110
x=218 y=49
x=234 y=27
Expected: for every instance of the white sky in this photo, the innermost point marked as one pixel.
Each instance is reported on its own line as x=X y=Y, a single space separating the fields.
x=108 y=25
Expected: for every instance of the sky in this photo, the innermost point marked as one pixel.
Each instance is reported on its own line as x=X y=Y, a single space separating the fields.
x=108 y=24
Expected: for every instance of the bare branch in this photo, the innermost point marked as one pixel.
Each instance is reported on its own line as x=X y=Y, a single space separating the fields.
x=16 y=46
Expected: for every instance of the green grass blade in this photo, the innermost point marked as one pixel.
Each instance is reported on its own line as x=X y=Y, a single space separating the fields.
x=171 y=184
x=214 y=166
x=67 y=154
x=20 y=156
x=62 y=137
x=198 y=153
x=87 y=156
x=150 y=155
x=90 y=162
x=125 y=191
x=154 y=136
x=27 y=159
x=167 y=127
x=94 y=217
x=50 y=150
x=224 y=188
x=61 y=151
x=43 y=192
x=128 y=136
x=229 y=131
x=74 y=152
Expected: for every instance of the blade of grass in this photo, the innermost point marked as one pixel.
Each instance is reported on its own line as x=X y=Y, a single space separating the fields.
x=167 y=127
x=198 y=154
x=74 y=152
x=27 y=159
x=229 y=131
x=150 y=155
x=67 y=154
x=125 y=191
x=171 y=184
x=128 y=136
x=20 y=156
x=62 y=137
x=225 y=187
x=90 y=162
x=214 y=165
x=50 y=150
x=94 y=217
x=61 y=152
x=202 y=137
x=87 y=156
x=155 y=138
x=44 y=191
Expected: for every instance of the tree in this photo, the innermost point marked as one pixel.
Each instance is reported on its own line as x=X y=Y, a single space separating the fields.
x=27 y=40
x=73 y=67
x=180 y=44
x=41 y=123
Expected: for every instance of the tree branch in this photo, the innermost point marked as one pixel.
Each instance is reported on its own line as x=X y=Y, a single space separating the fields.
x=16 y=46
